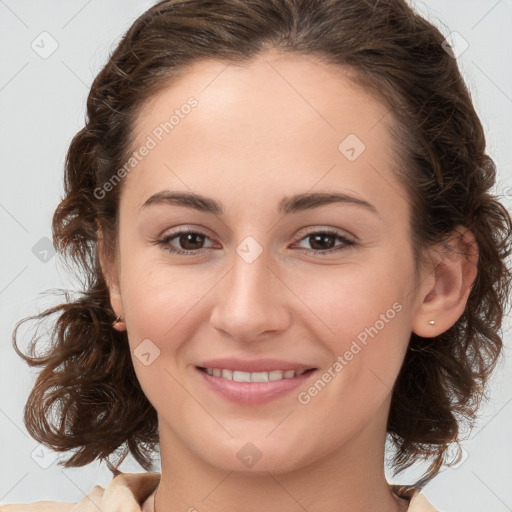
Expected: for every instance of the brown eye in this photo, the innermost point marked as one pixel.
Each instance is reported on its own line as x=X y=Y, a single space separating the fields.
x=324 y=242
x=185 y=242
x=190 y=241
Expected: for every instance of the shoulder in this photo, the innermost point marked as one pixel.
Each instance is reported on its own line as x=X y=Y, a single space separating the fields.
x=86 y=504
x=57 y=506
x=40 y=506
x=419 y=503
x=127 y=489
x=417 y=500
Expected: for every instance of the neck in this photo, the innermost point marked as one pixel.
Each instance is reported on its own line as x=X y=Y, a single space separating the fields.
x=350 y=479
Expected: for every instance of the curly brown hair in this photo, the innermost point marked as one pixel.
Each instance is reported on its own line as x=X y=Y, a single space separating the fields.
x=87 y=397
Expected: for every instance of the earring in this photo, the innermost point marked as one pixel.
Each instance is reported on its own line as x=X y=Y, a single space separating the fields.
x=116 y=322
x=432 y=322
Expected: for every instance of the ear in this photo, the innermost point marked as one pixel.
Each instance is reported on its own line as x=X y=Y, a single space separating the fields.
x=445 y=288
x=110 y=272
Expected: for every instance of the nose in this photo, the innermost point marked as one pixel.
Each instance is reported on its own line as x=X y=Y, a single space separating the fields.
x=251 y=301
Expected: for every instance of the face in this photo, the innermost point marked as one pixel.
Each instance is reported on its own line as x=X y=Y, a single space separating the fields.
x=264 y=269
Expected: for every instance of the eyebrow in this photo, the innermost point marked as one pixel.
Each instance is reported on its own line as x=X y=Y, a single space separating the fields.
x=296 y=203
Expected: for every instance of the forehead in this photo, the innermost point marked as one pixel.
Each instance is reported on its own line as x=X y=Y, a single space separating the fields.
x=280 y=120
x=278 y=86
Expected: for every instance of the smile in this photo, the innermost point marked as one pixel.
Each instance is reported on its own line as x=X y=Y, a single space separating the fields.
x=252 y=388
x=239 y=376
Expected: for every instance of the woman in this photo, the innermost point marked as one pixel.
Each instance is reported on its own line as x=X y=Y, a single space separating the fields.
x=282 y=211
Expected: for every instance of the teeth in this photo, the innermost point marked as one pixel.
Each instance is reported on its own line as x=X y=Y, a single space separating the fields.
x=239 y=376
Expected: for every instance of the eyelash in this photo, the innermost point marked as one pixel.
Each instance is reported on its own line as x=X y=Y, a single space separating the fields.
x=164 y=242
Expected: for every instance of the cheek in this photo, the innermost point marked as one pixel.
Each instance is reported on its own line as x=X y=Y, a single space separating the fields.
x=157 y=300
x=371 y=332
x=350 y=300
x=161 y=311
x=362 y=316
x=162 y=302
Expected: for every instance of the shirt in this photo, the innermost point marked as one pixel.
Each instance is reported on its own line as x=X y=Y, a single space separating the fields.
x=133 y=492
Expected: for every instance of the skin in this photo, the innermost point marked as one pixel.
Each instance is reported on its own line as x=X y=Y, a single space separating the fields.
x=262 y=132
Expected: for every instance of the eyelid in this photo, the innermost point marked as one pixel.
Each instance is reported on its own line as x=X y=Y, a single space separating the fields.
x=307 y=230
x=347 y=241
x=165 y=237
x=183 y=229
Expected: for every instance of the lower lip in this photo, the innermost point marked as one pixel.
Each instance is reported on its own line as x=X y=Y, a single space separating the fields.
x=253 y=393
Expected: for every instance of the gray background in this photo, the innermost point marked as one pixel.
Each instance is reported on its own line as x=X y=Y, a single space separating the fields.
x=42 y=105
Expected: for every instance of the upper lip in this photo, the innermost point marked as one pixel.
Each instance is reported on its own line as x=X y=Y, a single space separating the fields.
x=255 y=365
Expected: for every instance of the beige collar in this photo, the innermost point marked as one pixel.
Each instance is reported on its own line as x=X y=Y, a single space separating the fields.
x=128 y=491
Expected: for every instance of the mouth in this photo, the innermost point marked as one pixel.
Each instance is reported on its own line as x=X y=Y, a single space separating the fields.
x=241 y=376
x=253 y=388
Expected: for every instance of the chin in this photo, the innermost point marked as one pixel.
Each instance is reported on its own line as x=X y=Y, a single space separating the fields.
x=257 y=458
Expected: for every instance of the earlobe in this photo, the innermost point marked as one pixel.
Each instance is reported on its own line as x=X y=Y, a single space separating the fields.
x=110 y=274
x=119 y=324
x=446 y=290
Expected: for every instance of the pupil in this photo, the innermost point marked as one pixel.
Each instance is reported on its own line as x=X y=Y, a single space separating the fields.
x=316 y=238
x=190 y=237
